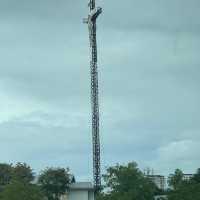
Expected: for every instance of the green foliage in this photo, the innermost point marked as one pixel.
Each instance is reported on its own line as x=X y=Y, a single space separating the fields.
x=127 y=182
x=186 y=190
x=15 y=182
x=5 y=174
x=21 y=191
x=73 y=180
x=22 y=172
x=54 y=182
x=176 y=179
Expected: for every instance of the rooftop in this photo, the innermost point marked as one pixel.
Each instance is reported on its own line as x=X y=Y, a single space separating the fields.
x=82 y=186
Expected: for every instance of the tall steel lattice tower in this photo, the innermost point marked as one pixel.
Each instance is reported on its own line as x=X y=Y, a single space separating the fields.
x=91 y=21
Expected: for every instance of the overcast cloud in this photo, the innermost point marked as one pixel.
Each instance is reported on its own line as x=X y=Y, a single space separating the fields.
x=149 y=84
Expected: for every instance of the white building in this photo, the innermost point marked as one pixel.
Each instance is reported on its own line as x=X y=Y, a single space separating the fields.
x=187 y=177
x=158 y=180
x=80 y=191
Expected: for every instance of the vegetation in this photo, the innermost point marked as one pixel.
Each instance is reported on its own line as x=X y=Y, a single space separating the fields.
x=20 y=172
x=23 y=173
x=5 y=175
x=121 y=182
x=184 y=189
x=127 y=182
x=16 y=183
x=175 y=180
x=17 y=190
x=54 y=182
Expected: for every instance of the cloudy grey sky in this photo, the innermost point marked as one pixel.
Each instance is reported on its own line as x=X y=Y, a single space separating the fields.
x=149 y=84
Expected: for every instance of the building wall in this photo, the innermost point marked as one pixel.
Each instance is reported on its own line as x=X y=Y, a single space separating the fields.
x=187 y=176
x=79 y=195
x=158 y=180
x=79 y=191
x=91 y=195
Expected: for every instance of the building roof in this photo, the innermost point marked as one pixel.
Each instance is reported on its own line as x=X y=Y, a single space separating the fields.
x=81 y=186
x=155 y=176
x=188 y=174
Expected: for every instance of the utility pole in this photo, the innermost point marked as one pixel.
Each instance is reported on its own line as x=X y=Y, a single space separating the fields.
x=91 y=21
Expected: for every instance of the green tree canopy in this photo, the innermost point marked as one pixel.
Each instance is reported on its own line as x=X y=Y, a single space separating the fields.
x=175 y=180
x=21 y=191
x=54 y=182
x=22 y=172
x=127 y=182
x=5 y=174
x=185 y=189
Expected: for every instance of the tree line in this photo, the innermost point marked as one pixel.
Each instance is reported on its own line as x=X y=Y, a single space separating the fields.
x=128 y=182
x=18 y=182
x=120 y=182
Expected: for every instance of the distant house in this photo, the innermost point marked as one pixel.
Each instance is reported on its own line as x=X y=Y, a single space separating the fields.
x=80 y=191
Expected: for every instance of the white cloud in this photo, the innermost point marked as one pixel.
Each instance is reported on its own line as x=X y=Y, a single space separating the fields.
x=181 y=154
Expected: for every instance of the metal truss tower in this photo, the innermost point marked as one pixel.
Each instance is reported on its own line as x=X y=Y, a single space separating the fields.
x=91 y=21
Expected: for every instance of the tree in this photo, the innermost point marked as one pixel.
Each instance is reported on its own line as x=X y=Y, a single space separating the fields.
x=127 y=182
x=186 y=190
x=73 y=180
x=54 y=182
x=21 y=191
x=176 y=179
x=22 y=172
x=5 y=174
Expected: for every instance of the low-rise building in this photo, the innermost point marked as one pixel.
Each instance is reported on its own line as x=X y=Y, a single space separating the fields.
x=187 y=177
x=80 y=191
x=158 y=180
